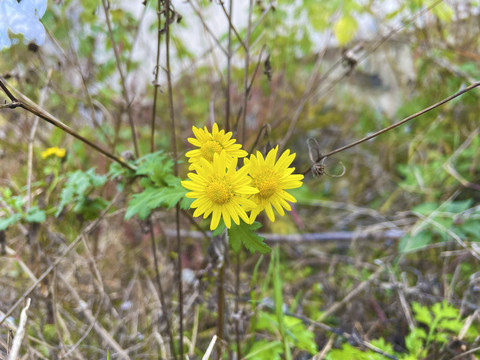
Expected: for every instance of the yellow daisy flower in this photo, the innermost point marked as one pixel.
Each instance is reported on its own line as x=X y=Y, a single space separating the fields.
x=219 y=189
x=55 y=151
x=212 y=143
x=272 y=178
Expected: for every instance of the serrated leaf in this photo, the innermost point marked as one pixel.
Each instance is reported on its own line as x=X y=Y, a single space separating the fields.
x=78 y=186
x=244 y=233
x=66 y=197
x=347 y=352
x=304 y=339
x=95 y=179
x=453 y=325
x=172 y=195
x=157 y=166
x=414 y=341
x=143 y=203
x=422 y=314
x=185 y=203
x=345 y=29
x=116 y=170
x=444 y=310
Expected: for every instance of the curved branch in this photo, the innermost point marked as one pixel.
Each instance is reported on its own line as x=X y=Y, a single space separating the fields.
x=20 y=100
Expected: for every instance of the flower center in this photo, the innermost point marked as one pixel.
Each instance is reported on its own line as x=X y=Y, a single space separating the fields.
x=266 y=184
x=219 y=192
x=209 y=148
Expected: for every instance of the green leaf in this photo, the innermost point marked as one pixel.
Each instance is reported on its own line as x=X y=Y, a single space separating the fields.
x=459 y=206
x=382 y=345
x=78 y=186
x=185 y=203
x=172 y=195
x=265 y=350
x=347 y=352
x=345 y=29
x=425 y=208
x=244 y=233
x=142 y=204
x=267 y=322
x=116 y=170
x=34 y=214
x=414 y=242
x=158 y=167
x=6 y=223
x=422 y=314
x=90 y=208
x=95 y=179
x=414 y=341
x=444 y=310
x=472 y=227
x=303 y=338
x=443 y=11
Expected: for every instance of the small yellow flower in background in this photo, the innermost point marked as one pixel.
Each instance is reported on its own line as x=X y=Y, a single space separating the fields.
x=272 y=178
x=212 y=143
x=219 y=189
x=55 y=151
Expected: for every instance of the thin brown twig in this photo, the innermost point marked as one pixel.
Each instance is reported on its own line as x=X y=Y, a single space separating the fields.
x=338 y=305
x=303 y=99
x=31 y=138
x=229 y=65
x=397 y=124
x=451 y=169
x=471 y=351
x=237 y=305
x=122 y=78
x=316 y=92
x=250 y=85
x=165 y=311
x=20 y=100
x=403 y=301
x=369 y=51
x=120 y=352
x=177 y=207
x=65 y=252
x=352 y=337
x=76 y=65
x=207 y=28
x=12 y=105
x=245 y=75
x=230 y=25
x=152 y=149
x=227 y=127
x=156 y=85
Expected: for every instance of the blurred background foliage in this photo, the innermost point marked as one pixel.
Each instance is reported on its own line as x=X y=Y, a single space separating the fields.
x=331 y=70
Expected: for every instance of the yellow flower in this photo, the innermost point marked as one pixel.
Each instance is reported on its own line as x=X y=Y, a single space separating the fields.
x=272 y=179
x=55 y=151
x=219 y=189
x=210 y=144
